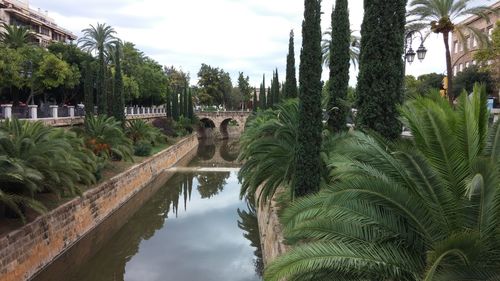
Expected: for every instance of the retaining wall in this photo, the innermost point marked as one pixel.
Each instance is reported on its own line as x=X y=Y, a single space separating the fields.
x=25 y=251
x=271 y=232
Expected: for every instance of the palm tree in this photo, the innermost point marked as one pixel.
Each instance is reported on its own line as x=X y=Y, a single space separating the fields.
x=105 y=137
x=353 y=50
x=15 y=36
x=138 y=130
x=98 y=39
x=440 y=16
x=421 y=209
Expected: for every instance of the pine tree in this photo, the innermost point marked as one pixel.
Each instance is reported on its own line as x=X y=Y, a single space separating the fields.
x=254 y=104
x=380 y=80
x=89 y=89
x=339 y=67
x=175 y=105
x=291 y=80
x=262 y=94
x=119 y=100
x=190 y=106
x=308 y=166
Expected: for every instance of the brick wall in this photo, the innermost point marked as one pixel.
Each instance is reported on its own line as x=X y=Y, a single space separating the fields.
x=25 y=251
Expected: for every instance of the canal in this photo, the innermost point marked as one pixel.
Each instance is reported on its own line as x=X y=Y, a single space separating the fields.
x=191 y=227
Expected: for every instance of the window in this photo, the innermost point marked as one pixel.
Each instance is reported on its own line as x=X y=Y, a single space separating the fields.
x=474 y=41
x=44 y=31
x=490 y=31
x=455 y=47
x=467 y=64
x=455 y=70
x=474 y=62
x=461 y=67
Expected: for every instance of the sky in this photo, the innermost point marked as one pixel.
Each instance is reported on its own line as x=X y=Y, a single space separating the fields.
x=249 y=36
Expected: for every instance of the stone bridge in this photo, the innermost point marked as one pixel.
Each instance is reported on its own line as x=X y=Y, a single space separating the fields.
x=222 y=124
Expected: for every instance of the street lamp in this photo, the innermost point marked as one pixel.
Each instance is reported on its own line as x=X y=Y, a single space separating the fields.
x=409 y=52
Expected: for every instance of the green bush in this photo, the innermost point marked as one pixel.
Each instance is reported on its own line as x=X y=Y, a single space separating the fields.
x=143 y=148
x=140 y=131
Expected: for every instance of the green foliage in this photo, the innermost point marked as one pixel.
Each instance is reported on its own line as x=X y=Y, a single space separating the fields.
x=339 y=67
x=35 y=157
x=254 y=103
x=14 y=36
x=423 y=85
x=290 y=88
x=175 y=105
x=491 y=53
x=105 y=137
x=425 y=208
x=190 y=106
x=307 y=168
x=380 y=80
x=215 y=85
x=438 y=15
x=119 y=100
x=140 y=131
x=465 y=80
x=244 y=87
x=262 y=94
x=143 y=149
x=11 y=64
x=354 y=44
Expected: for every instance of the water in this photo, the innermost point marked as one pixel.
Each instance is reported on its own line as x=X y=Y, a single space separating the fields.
x=193 y=228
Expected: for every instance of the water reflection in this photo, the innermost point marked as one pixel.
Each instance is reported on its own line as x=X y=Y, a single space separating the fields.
x=193 y=228
x=249 y=224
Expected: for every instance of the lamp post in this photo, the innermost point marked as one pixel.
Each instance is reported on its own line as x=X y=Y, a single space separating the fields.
x=409 y=55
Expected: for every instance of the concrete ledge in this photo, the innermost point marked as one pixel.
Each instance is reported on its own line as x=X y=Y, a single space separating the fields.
x=25 y=251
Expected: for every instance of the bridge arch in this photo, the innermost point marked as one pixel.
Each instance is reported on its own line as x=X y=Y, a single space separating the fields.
x=225 y=123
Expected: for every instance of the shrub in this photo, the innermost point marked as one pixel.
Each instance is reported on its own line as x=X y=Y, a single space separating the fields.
x=143 y=148
x=140 y=131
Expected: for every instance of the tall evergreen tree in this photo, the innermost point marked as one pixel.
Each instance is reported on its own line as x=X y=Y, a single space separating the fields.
x=186 y=100
x=101 y=91
x=276 y=86
x=169 y=102
x=262 y=94
x=254 y=104
x=190 y=106
x=88 y=85
x=291 y=80
x=270 y=93
x=380 y=80
x=310 y=123
x=182 y=107
x=110 y=91
x=119 y=100
x=175 y=105
x=339 y=67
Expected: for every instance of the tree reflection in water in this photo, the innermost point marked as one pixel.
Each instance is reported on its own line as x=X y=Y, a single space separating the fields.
x=210 y=183
x=249 y=224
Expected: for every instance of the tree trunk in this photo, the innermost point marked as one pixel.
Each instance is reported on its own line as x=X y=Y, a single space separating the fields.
x=449 y=69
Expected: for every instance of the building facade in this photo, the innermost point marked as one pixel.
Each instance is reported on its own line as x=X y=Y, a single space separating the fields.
x=464 y=47
x=44 y=28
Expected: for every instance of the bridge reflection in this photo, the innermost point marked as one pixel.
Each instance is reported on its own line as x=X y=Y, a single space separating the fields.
x=217 y=153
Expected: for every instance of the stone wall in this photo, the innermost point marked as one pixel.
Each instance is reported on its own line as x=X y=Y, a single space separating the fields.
x=27 y=250
x=271 y=232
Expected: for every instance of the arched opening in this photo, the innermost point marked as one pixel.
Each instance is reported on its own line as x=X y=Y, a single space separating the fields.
x=206 y=128
x=230 y=150
x=229 y=128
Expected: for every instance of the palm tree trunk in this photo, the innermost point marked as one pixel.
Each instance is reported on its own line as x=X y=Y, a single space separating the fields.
x=449 y=69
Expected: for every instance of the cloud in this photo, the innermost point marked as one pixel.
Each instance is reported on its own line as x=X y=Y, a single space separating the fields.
x=236 y=35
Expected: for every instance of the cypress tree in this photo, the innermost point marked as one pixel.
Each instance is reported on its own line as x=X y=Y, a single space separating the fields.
x=101 y=93
x=182 y=107
x=110 y=91
x=254 y=104
x=291 y=80
x=339 y=67
x=186 y=101
x=119 y=100
x=276 y=85
x=88 y=89
x=269 y=97
x=175 y=106
x=190 y=106
x=308 y=166
x=169 y=102
x=270 y=94
x=380 y=80
x=262 y=94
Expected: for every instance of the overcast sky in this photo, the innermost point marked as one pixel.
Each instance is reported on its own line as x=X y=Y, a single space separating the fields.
x=237 y=35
